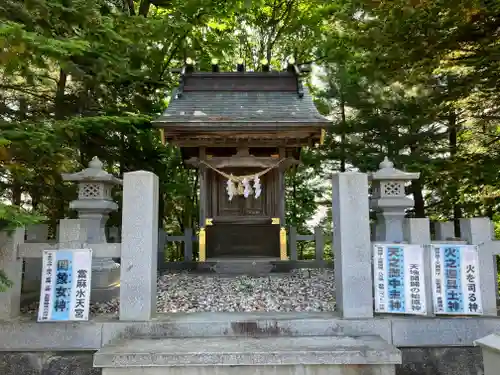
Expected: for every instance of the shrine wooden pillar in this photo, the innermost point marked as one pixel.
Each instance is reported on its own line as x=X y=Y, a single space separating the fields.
x=281 y=188
x=202 y=171
x=203 y=199
x=281 y=205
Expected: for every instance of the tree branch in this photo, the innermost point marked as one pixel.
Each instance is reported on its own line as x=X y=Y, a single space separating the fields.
x=26 y=91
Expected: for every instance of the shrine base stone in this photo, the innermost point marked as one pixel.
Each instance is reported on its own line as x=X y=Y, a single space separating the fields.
x=416 y=361
x=105 y=282
x=314 y=355
x=258 y=370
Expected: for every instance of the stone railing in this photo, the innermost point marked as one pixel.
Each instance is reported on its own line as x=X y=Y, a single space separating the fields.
x=189 y=239
x=72 y=235
x=39 y=234
x=319 y=242
x=352 y=245
x=352 y=237
x=137 y=251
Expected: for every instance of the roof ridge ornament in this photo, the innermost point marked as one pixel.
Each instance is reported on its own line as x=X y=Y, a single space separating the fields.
x=386 y=163
x=94 y=173
x=180 y=89
x=95 y=163
x=388 y=172
x=300 y=88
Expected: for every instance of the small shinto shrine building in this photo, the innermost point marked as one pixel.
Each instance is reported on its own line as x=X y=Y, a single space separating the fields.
x=242 y=130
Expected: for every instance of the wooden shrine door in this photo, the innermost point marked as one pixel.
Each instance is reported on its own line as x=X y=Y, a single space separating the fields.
x=242 y=227
x=239 y=206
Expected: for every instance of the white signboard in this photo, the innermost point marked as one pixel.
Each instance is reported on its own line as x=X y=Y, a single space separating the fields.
x=65 y=293
x=399 y=283
x=455 y=280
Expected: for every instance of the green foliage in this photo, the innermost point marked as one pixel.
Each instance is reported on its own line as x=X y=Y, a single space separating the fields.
x=12 y=217
x=405 y=79
x=415 y=80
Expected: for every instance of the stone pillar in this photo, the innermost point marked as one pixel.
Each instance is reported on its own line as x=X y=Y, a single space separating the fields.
x=114 y=237
x=417 y=231
x=10 y=299
x=445 y=230
x=93 y=205
x=139 y=250
x=352 y=246
x=38 y=233
x=490 y=349
x=389 y=201
x=72 y=234
x=477 y=231
x=114 y=234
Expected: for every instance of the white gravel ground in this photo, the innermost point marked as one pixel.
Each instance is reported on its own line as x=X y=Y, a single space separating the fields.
x=300 y=290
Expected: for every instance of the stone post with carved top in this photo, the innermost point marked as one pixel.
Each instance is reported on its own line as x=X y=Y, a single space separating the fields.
x=389 y=200
x=93 y=206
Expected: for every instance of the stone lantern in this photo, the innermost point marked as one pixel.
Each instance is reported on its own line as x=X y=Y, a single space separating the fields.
x=93 y=205
x=389 y=200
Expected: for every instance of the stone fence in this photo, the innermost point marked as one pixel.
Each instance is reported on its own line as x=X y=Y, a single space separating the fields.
x=189 y=239
x=352 y=236
x=138 y=249
x=39 y=233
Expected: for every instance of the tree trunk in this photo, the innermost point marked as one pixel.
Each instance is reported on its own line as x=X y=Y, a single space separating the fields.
x=131 y=7
x=416 y=189
x=144 y=8
x=453 y=147
x=418 y=197
x=59 y=109
x=343 y=129
x=17 y=183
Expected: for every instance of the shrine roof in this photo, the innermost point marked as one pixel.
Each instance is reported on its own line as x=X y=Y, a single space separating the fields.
x=276 y=98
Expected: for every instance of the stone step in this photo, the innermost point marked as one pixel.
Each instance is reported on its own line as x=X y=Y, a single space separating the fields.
x=247 y=324
x=248 y=351
x=255 y=268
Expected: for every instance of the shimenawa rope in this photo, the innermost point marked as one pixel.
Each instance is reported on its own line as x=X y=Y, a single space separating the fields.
x=239 y=179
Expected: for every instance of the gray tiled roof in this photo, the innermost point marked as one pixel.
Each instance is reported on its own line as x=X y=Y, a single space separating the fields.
x=241 y=106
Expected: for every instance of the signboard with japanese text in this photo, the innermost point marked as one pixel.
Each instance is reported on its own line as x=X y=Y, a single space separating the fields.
x=65 y=289
x=455 y=280
x=399 y=283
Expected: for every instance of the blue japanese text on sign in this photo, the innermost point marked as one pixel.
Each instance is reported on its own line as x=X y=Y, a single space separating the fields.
x=456 y=288
x=399 y=284
x=65 y=292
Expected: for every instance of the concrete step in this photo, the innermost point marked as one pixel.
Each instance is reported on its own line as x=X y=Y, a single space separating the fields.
x=248 y=351
x=247 y=324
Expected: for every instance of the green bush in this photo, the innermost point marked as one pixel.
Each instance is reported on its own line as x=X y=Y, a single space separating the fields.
x=12 y=217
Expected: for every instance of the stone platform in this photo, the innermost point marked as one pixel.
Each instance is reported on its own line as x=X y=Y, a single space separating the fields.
x=429 y=345
x=256 y=267
x=254 y=346
x=25 y=334
x=337 y=354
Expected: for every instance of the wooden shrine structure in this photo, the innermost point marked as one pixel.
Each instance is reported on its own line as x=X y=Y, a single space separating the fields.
x=242 y=130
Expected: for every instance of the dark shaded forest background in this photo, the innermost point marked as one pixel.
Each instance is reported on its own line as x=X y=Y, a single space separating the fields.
x=417 y=80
